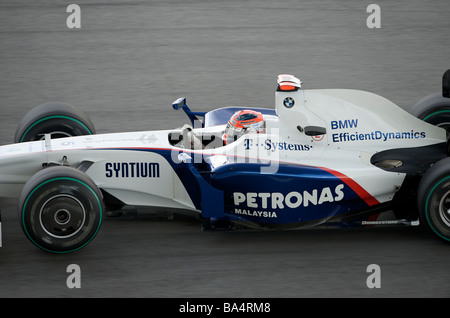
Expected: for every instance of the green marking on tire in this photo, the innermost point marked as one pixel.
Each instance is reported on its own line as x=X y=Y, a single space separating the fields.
x=426 y=209
x=54 y=117
x=435 y=113
x=56 y=179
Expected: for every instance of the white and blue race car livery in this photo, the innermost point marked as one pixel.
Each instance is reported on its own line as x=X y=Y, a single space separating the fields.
x=327 y=157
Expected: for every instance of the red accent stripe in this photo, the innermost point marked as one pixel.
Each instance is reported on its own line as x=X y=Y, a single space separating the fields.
x=360 y=191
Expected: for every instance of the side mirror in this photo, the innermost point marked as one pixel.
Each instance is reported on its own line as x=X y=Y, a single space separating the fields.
x=179 y=103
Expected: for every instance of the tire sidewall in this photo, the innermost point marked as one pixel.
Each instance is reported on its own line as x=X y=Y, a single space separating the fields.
x=431 y=208
x=433 y=109
x=434 y=184
x=54 y=124
x=54 y=183
x=50 y=117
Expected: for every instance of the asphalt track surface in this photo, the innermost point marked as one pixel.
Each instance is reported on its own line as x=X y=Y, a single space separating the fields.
x=131 y=59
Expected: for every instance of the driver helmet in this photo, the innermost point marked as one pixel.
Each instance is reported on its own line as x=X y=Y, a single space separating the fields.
x=241 y=123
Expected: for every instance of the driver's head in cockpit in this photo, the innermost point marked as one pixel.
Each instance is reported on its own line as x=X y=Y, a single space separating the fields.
x=241 y=123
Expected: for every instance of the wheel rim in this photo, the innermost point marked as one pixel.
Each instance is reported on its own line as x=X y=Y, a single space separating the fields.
x=444 y=208
x=62 y=216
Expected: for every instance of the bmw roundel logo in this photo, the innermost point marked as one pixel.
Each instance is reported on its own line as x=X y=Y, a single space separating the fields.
x=288 y=102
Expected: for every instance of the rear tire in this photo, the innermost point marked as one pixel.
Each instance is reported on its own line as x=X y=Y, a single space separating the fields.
x=434 y=199
x=60 y=209
x=58 y=119
x=434 y=109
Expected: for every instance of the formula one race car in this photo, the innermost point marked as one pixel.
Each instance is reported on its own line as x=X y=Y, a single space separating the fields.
x=330 y=157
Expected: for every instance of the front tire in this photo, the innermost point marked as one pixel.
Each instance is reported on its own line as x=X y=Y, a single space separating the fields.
x=60 y=209
x=434 y=199
x=58 y=119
